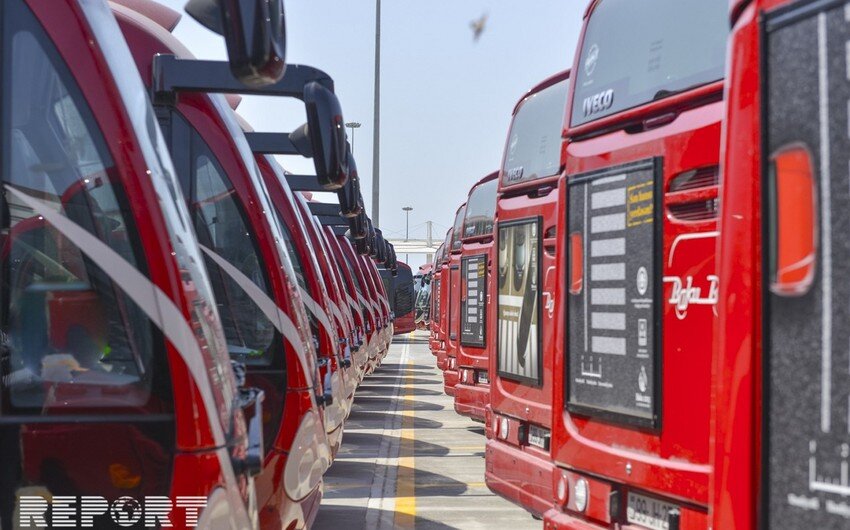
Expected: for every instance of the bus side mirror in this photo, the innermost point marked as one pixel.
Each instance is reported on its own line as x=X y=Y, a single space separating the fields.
x=255 y=34
x=350 y=200
x=323 y=136
x=357 y=226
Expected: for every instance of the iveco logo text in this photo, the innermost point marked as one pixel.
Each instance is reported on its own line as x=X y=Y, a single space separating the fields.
x=88 y=511
x=598 y=102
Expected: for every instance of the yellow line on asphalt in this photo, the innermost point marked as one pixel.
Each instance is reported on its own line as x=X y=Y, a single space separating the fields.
x=405 y=501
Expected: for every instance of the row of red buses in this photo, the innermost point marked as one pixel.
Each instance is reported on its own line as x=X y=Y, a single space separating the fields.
x=169 y=299
x=583 y=414
x=681 y=392
x=476 y=311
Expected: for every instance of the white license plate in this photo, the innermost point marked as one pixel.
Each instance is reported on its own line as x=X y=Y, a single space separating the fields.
x=538 y=437
x=648 y=512
x=483 y=377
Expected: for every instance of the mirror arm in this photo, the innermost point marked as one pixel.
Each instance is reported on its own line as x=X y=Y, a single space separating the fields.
x=271 y=143
x=304 y=183
x=172 y=75
x=332 y=220
x=323 y=208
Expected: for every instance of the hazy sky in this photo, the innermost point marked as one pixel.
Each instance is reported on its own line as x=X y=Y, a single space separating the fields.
x=446 y=101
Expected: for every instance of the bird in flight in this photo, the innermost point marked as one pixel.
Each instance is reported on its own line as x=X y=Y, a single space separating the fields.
x=478 y=26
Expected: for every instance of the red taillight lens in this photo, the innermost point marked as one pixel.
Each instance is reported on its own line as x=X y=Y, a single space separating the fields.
x=794 y=224
x=561 y=489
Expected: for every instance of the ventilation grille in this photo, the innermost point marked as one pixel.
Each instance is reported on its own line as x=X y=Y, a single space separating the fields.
x=698 y=178
x=695 y=211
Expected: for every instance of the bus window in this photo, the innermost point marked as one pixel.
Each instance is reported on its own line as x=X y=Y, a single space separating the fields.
x=534 y=143
x=481 y=210
x=222 y=227
x=69 y=333
x=621 y=68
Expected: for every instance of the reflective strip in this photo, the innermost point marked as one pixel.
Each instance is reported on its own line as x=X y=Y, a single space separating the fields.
x=337 y=314
x=369 y=306
x=317 y=311
x=156 y=304
x=352 y=302
x=277 y=317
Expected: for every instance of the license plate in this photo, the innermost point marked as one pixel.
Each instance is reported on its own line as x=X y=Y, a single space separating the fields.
x=538 y=437
x=483 y=377
x=648 y=512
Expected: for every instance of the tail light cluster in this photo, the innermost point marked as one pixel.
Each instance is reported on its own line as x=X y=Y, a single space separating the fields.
x=585 y=496
x=510 y=430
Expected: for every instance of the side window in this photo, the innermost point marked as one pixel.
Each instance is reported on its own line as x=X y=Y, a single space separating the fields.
x=222 y=228
x=298 y=267
x=70 y=336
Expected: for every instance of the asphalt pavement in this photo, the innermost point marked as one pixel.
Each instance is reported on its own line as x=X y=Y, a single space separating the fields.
x=408 y=460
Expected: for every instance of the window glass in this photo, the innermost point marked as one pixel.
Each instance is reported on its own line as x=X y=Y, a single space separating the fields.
x=632 y=54
x=221 y=226
x=457 y=230
x=70 y=335
x=298 y=268
x=481 y=210
x=534 y=143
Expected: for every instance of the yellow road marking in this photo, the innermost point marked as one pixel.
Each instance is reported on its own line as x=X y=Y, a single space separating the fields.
x=405 y=502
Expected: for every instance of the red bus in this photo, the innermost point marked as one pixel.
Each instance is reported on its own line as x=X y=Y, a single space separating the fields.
x=452 y=307
x=109 y=328
x=477 y=334
x=781 y=446
x=401 y=297
x=441 y=314
x=519 y=417
x=434 y=329
x=632 y=392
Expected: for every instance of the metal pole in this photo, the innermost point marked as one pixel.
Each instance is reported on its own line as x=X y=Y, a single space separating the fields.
x=407 y=210
x=376 y=141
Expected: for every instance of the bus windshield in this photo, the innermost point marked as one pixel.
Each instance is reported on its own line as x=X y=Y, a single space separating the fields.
x=633 y=54
x=534 y=143
x=481 y=210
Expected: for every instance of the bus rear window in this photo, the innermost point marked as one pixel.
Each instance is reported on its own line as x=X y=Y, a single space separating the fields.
x=637 y=52
x=534 y=144
x=480 y=210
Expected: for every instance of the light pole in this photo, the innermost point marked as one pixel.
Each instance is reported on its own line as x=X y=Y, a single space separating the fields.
x=352 y=125
x=407 y=210
x=376 y=130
